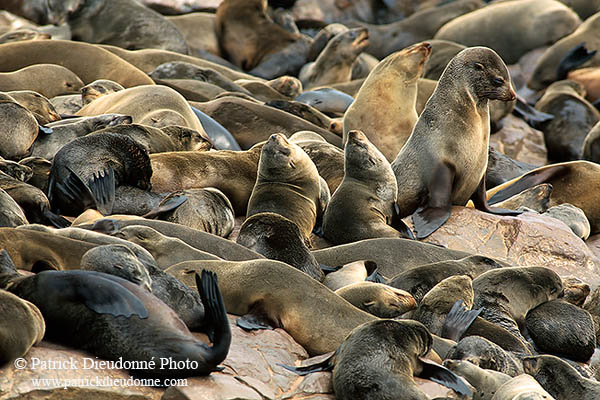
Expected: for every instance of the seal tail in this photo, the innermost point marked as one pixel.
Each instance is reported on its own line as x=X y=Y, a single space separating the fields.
x=215 y=315
x=458 y=320
x=324 y=365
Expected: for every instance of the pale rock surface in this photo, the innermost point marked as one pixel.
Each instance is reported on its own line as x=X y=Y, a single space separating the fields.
x=520 y=142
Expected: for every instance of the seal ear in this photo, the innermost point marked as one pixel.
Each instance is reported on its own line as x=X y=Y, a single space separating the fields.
x=442 y=375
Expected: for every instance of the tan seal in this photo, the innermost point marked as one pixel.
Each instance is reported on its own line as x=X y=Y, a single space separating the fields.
x=436 y=170
x=48 y=80
x=384 y=108
x=364 y=205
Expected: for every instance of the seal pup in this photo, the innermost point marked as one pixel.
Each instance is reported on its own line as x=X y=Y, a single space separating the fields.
x=381 y=300
x=326 y=100
x=486 y=354
x=506 y=295
x=22 y=325
x=473 y=77
x=560 y=379
x=76 y=312
x=124 y=23
x=37 y=104
x=521 y=387
x=502 y=27
x=288 y=184
x=49 y=80
x=334 y=63
x=485 y=381
x=563 y=329
x=65 y=131
x=379 y=359
x=277 y=238
x=390 y=90
x=104 y=161
x=32 y=200
x=574 y=117
x=207 y=210
x=99 y=88
x=573 y=217
x=364 y=205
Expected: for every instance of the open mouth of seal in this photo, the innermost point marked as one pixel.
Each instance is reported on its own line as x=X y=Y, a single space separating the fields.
x=362 y=40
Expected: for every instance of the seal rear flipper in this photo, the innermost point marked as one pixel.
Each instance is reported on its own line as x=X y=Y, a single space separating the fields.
x=480 y=202
x=102 y=185
x=327 y=269
x=574 y=58
x=219 y=331
x=458 y=320
x=169 y=205
x=530 y=115
x=45 y=129
x=399 y=225
x=75 y=191
x=325 y=365
x=55 y=220
x=528 y=180
x=439 y=374
x=107 y=226
x=427 y=219
x=257 y=318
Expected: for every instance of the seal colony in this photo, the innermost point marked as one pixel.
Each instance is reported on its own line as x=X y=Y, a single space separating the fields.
x=295 y=169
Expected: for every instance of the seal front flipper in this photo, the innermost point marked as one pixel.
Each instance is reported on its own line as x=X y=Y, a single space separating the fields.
x=533 y=117
x=437 y=373
x=324 y=365
x=102 y=185
x=101 y=293
x=458 y=320
x=480 y=202
x=327 y=269
x=429 y=218
x=169 y=205
x=528 y=180
x=74 y=190
x=55 y=220
x=574 y=58
x=257 y=318
x=219 y=331
x=399 y=225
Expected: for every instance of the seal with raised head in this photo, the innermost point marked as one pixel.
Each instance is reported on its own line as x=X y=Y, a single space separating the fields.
x=364 y=205
x=288 y=184
x=22 y=326
x=112 y=318
x=436 y=170
x=384 y=108
x=334 y=63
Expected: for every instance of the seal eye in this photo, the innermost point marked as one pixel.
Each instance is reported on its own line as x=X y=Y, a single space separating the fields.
x=478 y=66
x=498 y=81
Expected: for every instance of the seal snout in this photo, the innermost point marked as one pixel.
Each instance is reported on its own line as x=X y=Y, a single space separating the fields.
x=362 y=37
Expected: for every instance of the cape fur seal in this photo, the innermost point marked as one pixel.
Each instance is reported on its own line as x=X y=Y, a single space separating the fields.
x=87 y=61
x=364 y=205
x=288 y=184
x=20 y=129
x=503 y=27
x=99 y=88
x=431 y=175
x=485 y=381
x=22 y=326
x=381 y=300
x=384 y=108
x=521 y=387
x=37 y=104
x=77 y=313
x=46 y=79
